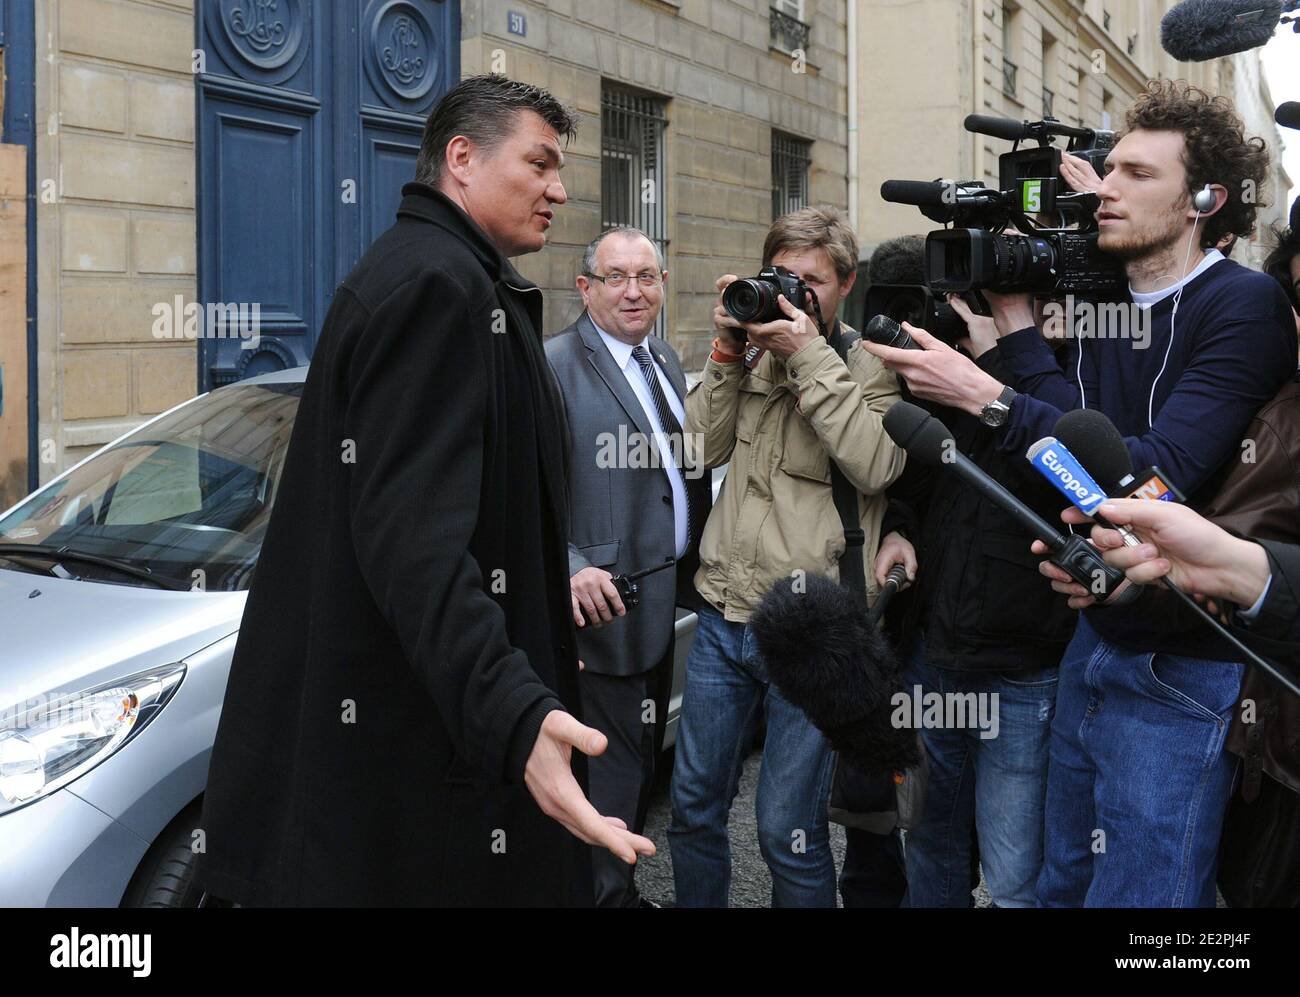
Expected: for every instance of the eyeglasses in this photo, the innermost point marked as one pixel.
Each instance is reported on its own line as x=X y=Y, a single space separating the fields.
x=617 y=280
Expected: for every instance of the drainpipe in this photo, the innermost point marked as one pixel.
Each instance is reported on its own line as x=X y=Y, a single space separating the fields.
x=852 y=50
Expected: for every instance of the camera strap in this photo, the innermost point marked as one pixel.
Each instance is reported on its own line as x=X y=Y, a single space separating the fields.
x=845 y=493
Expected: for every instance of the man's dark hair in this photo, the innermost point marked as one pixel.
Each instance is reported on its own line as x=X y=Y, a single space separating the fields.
x=1278 y=262
x=1215 y=150
x=483 y=109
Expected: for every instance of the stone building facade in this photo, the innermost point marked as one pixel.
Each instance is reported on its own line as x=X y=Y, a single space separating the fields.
x=115 y=232
x=700 y=120
x=725 y=81
x=1082 y=61
x=699 y=87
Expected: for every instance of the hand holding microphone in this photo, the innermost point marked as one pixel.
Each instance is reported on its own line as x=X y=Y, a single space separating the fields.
x=1206 y=556
x=1189 y=550
x=929 y=441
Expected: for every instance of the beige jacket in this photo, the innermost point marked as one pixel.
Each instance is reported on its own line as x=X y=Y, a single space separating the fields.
x=779 y=425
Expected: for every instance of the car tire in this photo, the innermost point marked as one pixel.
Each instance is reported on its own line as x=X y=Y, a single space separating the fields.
x=165 y=876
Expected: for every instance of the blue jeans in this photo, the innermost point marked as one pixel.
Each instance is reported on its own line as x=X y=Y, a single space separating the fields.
x=997 y=784
x=1139 y=782
x=726 y=682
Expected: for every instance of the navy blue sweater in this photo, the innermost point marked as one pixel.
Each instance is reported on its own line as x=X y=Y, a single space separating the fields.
x=1234 y=348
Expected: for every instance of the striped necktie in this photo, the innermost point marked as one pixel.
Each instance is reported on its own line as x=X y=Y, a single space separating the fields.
x=669 y=423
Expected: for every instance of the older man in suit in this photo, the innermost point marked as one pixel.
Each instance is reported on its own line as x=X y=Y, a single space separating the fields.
x=636 y=502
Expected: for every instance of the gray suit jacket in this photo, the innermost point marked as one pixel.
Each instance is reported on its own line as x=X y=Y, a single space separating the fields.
x=620 y=517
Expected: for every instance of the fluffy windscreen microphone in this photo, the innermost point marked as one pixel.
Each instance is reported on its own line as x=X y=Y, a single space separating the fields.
x=828 y=661
x=898 y=261
x=1197 y=30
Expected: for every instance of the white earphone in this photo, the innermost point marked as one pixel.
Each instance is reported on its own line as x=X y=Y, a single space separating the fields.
x=1203 y=201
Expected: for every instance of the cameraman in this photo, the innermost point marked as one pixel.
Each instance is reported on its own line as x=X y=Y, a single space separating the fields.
x=781 y=420
x=979 y=622
x=1120 y=830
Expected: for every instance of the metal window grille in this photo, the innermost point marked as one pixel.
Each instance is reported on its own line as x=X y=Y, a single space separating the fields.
x=1048 y=98
x=789 y=31
x=632 y=182
x=1009 y=77
x=791 y=163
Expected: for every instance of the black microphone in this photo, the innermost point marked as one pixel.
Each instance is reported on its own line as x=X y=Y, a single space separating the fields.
x=894 y=581
x=929 y=441
x=831 y=662
x=1097 y=444
x=943 y=194
x=1007 y=128
x=884 y=331
x=1197 y=30
x=1288 y=114
x=921 y=193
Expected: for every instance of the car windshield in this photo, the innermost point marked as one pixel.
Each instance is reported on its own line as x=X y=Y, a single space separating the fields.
x=186 y=498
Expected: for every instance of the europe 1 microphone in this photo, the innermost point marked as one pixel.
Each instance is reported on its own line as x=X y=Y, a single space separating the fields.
x=1100 y=444
x=929 y=441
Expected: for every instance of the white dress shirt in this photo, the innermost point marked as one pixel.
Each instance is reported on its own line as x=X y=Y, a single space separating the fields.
x=622 y=354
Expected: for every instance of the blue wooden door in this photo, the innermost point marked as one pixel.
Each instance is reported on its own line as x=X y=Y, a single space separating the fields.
x=310 y=115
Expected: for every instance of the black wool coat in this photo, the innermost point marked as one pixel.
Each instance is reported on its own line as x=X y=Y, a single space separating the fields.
x=409 y=624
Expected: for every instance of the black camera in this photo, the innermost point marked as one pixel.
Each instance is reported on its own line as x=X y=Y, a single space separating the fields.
x=975 y=254
x=753 y=299
x=964 y=259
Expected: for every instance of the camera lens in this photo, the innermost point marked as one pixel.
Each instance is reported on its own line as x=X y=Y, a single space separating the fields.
x=748 y=300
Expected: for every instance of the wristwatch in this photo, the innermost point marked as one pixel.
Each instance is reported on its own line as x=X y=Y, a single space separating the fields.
x=996 y=412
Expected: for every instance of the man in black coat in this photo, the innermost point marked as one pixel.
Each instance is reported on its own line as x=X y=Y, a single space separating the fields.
x=398 y=724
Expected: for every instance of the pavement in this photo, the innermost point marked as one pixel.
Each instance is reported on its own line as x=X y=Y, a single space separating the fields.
x=751 y=883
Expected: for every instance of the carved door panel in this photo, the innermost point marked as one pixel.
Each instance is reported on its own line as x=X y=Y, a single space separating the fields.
x=310 y=114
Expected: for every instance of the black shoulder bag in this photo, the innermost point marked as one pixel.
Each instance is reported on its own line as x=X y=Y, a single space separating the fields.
x=867 y=801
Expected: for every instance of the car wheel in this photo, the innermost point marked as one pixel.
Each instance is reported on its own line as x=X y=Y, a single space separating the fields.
x=165 y=877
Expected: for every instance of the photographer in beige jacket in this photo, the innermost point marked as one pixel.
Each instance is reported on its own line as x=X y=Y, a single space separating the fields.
x=780 y=419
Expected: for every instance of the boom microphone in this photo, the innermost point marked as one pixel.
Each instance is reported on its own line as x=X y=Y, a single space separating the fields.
x=1197 y=30
x=900 y=260
x=830 y=662
x=1288 y=114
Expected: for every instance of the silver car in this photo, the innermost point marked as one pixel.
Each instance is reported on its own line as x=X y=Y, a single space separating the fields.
x=122 y=584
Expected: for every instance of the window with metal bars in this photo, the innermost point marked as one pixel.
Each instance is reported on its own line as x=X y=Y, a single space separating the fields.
x=632 y=181
x=791 y=162
x=789 y=29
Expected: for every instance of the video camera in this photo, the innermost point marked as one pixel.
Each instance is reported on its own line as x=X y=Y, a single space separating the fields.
x=974 y=254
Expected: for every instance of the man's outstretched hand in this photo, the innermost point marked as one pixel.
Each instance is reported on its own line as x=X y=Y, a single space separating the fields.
x=550 y=780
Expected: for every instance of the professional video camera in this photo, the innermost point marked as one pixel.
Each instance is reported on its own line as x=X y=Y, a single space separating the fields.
x=1046 y=259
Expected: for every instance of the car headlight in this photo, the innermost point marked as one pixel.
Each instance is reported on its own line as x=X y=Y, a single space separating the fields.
x=47 y=742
